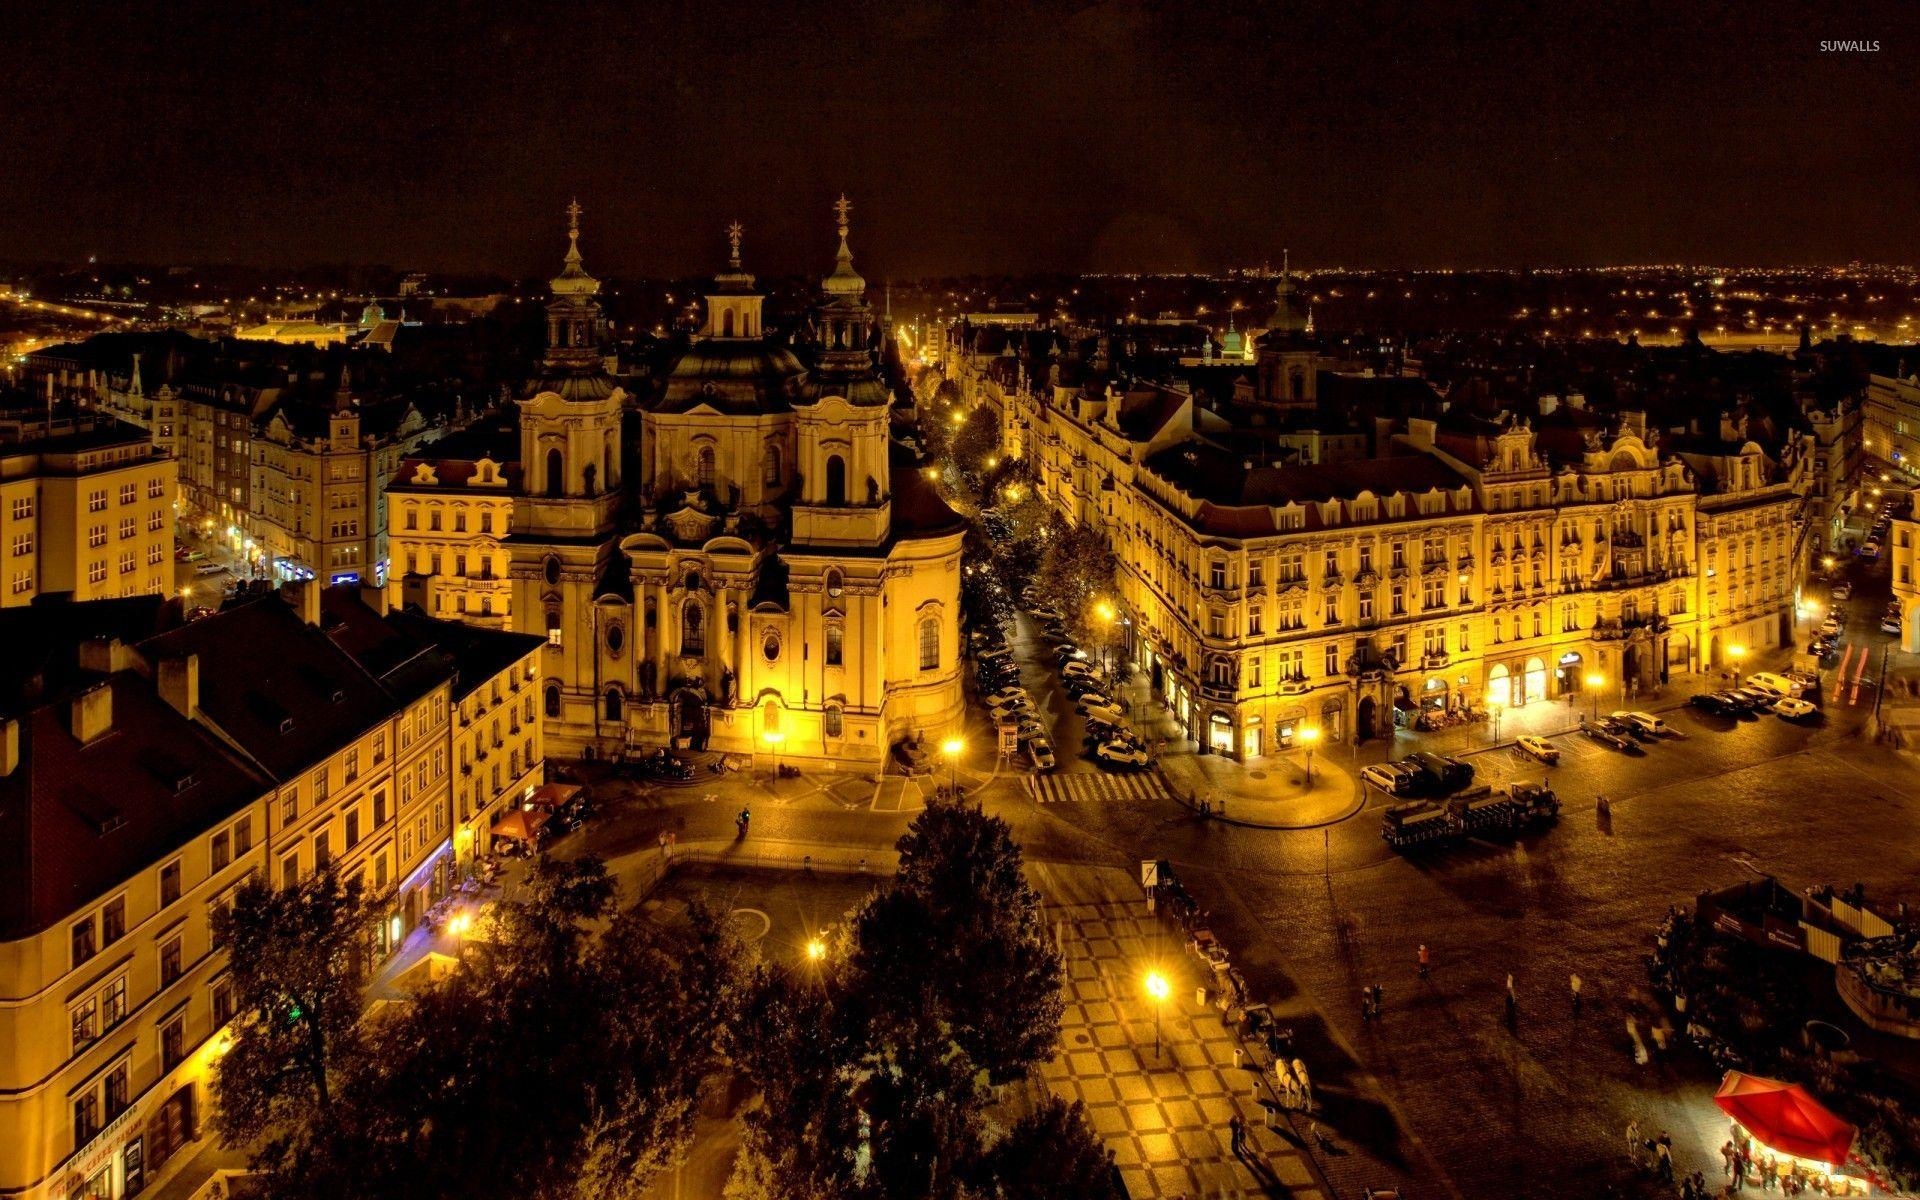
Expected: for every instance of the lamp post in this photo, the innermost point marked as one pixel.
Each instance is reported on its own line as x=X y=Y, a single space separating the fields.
x=1310 y=737
x=1107 y=616
x=1498 y=707
x=1158 y=989
x=1734 y=655
x=952 y=748
x=1595 y=682
x=772 y=738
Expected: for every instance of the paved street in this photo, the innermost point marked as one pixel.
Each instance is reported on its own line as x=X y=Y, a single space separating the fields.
x=1438 y=1095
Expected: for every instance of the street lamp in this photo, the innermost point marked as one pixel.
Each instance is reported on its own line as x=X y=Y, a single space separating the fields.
x=1498 y=706
x=773 y=738
x=816 y=949
x=1734 y=655
x=1159 y=990
x=1309 y=737
x=1108 y=616
x=1595 y=682
x=952 y=748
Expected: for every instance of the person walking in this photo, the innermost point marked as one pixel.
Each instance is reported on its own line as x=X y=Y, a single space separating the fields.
x=1663 y=1153
x=1633 y=1141
x=1238 y=1129
x=1573 y=987
x=1426 y=960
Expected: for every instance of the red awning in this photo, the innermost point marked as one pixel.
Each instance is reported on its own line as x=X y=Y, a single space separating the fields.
x=552 y=795
x=1784 y=1118
x=520 y=824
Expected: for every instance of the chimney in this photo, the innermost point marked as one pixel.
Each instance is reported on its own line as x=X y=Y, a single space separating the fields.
x=1549 y=403
x=1577 y=401
x=374 y=597
x=9 y=747
x=105 y=655
x=180 y=684
x=304 y=596
x=1420 y=432
x=92 y=713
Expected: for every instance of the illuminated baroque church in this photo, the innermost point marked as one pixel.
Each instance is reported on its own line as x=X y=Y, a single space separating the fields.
x=739 y=559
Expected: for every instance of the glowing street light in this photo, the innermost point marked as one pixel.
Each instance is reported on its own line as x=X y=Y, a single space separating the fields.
x=1498 y=706
x=773 y=738
x=1309 y=737
x=1159 y=990
x=1595 y=682
x=816 y=949
x=953 y=747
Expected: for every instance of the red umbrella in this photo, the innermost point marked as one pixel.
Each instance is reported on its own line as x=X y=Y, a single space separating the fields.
x=1784 y=1118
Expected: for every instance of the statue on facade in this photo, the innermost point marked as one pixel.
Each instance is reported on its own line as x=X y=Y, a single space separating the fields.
x=646 y=679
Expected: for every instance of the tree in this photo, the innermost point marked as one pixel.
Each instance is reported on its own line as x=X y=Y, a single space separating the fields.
x=1075 y=576
x=298 y=963
x=1052 y=1153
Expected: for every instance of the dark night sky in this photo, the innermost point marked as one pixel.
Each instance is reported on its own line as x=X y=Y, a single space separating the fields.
x=984 y=136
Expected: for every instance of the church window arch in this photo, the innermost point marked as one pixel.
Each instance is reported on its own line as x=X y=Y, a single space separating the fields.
x=556 y=473
x=835 y=721
x=836 y=582
x=553 y=627
x=929 y=643
x=704 y=470
x=614 y=704
x=836 y=644
x=726 y=323
x=693 y=630
x=553 y=700
x=836 y=479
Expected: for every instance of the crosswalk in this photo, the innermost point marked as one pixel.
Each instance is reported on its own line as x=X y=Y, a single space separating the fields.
x=1097 y=787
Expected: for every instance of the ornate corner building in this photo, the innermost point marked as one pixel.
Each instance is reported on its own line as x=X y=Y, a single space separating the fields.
x=741 y=559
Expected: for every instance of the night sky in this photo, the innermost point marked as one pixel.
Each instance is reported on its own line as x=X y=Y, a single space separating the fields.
x=1126 y=135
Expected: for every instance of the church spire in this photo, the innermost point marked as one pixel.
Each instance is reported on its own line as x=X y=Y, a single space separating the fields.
x=1289 y=316
x=844 y=281
x=573 y=279
x=734 y=232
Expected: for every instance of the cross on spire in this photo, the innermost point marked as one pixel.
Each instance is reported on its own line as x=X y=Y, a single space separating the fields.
x=733 y=239
x=573 y=215
x=841 y=208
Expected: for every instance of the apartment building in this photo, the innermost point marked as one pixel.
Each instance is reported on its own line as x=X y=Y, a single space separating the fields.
x=450 y=508
x=1891 y=428
x=86 y=509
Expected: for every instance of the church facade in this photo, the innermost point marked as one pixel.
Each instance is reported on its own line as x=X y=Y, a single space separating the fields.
x=740 y=558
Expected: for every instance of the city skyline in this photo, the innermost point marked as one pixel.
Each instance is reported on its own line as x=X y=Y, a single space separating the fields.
x=1120 y=136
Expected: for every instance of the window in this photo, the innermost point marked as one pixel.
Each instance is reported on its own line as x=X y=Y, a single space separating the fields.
x=322 y=850
x=290 y=871
x=289 y=808
x=86 y=1118
x=1253 y=620
x=771 y=646
x=170 y=961
x=353 y=828
x=321 y=783
x=224 y=1004
x=1217 y=573
x=1253 y=672
x=22 y=544
x=129 y=493
x=83 y=943
x=705 y=467
x=173 y=1042
x=1366 y=606
x=218 y=909
x=128 y=527
x=1331 y=610
x=1331 y=661
x=113 y=920
x=156 y=521
x=1433 y=642
x=486 y=521
x=929 y=644
x=553 y=627
x=1433 y=593
x=352 y=768
x=1399 y=555
x=614 y=704
x=693 y=633
x=1216 y=624
x=84 y=1017
x=242 y=836
x=169 y=883
x=836 y=479
x=113 y=1003
x=459 y=520
x=413 y=518
x=379 y=809
x=97 y=501
x=770 y=466
x=97 y=571
x=23 y=508
x=127 y=563
x=1331 y=566
x=1366 y=557
x=1466 y=638
x=1255 y=576
x=553 y=700
x=22 y=581
x=836 y=638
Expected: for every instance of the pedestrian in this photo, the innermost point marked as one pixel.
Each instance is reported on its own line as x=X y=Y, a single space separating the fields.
x=1513 y=1011
x=1426 y=960
x=1379 y=1000
x=1603 y=809
x=1366 y=1004
x=1633 y=1141
x=1726 y=1157
x=1239 y=1134
x=1573 y=986
x=1663 y=1151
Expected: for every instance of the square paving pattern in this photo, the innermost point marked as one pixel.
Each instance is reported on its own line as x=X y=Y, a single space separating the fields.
x=1164 y=1114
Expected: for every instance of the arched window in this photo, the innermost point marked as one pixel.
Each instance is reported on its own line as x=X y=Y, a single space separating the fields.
x=836 y=641
x=770 y=465
x=588 y=474
x=726 y=323
x=553 y=627
x=693 y=631
x=556 y=474
x=929 y=644
x=836 y=479
x=836 y=582
x=553 y=700
x=706 y=466
x=836 y=723
x=613 y=704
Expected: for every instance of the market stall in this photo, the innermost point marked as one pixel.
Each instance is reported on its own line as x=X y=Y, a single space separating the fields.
x=1780 y=1130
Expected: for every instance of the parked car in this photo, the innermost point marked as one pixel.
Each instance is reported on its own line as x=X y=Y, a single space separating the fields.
x=1080 y=685
x=1046 y=614
x=1443 y=773
x=1718 y=704
x=1007 y=694
x=1842 y=590
x=1751 y=699
x=1040 y=753
x=1538 y=748
x=1101 y=712
x=1780 y=685
x=1391 y=778
x=1607 y=735
x=1793 y=709
x=209 y=568
x=1076 y=667
x=1642 y=722
x=1870 y=550
x=1086 y=701
x=1890 y=625
x=1121 y=754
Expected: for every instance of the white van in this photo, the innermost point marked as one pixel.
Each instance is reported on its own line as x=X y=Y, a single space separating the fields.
x=1779 y=685
x=1645 y=722
x=1388 y=777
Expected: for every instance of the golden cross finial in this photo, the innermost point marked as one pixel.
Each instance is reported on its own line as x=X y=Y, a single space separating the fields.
x=573 y=216
x=733 y=239
x=842 y=207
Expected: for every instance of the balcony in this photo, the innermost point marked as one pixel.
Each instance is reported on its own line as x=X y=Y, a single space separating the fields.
x=1218 y=691
x=1294 y=685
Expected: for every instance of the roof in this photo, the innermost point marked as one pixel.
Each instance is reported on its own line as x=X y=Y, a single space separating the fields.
x=477 y=655
x=918 y=510
x=453 y=457
x=733 y=375
x=408 y=667
x=43 y=641
x=76 y=821
x=1238 y=502
x=280 y=689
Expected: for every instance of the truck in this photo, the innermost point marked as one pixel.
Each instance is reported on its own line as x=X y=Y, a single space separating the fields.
x=1509 y=810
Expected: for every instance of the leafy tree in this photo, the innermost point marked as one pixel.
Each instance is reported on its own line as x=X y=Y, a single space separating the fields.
x=1076 y=576
x=1051 y=1153
x=298 y=962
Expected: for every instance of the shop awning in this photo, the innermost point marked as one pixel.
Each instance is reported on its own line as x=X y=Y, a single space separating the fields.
x=520 y=824
x=1784 y=1118
x=552 y=795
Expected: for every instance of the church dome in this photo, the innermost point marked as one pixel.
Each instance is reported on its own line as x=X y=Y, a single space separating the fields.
x=845 y=281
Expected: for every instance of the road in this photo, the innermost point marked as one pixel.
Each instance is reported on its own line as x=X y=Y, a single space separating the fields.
x=1439 y=1095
